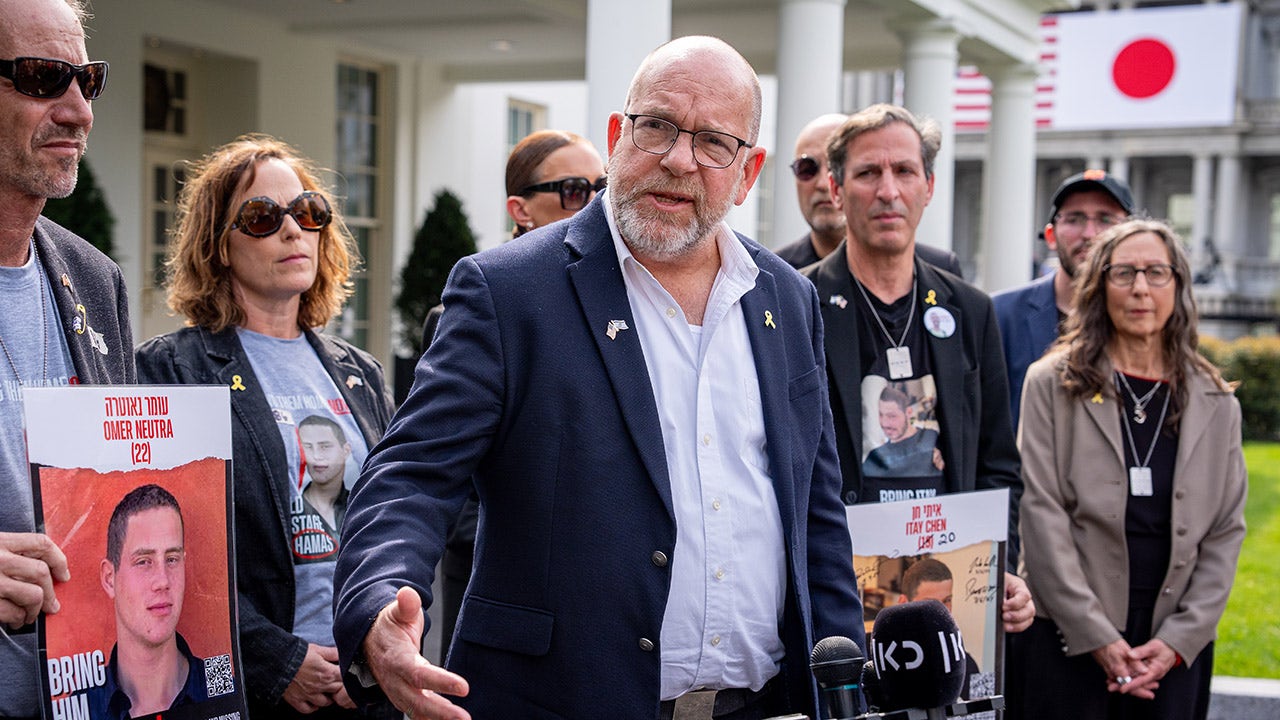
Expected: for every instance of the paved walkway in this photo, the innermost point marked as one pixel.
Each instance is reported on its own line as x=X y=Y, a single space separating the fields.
x=1244 y=699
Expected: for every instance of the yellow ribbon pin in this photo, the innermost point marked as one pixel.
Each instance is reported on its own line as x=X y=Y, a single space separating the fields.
x=236 y=384
x=1096 y=399
x=931 y=298
x=768 y=320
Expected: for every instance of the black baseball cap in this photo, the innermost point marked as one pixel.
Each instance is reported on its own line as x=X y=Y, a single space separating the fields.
x=1093 y=180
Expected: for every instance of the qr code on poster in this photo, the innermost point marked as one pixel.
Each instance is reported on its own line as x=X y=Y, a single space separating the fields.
x=218 y=677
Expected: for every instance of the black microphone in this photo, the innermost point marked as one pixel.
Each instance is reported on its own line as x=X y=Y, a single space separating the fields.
x=918 y=656
x=836 y=663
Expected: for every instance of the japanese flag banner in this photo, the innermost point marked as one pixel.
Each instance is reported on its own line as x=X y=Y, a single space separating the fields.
x=1147 y=68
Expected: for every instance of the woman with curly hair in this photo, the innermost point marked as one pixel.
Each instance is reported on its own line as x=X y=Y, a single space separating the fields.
x=260 y=262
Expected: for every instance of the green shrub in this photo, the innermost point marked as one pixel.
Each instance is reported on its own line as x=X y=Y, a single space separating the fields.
x=85 y=212
x=1254 y=362
x=444 y=238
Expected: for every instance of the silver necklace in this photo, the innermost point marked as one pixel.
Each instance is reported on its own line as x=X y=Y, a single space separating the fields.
x=1140 y=479
x=44 y=324
x=898 y=356
x=1139 y=403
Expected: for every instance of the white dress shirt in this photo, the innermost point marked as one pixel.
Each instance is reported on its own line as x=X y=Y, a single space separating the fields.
x=728 y=570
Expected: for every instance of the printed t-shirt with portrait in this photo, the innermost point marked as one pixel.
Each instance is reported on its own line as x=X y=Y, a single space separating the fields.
x=324 y=451
x=901 y=459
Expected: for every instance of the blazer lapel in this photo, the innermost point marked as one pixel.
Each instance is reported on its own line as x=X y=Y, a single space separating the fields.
x=836 y=296
x=769 y=351
x=1203 y=404
x=1101 y=408
x=948 y=375
x=1042 y=318
x=597 y=281
x=86 y=348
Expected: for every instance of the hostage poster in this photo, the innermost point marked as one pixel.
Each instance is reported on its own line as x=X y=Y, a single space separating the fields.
x=134 y=485
x=949 y=548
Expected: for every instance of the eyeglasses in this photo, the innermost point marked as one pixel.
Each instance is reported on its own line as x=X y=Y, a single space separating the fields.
x=575 y=192
x=1078 y=221
x=48 y=79
x=711 y=149
x=261 y=216
x=805 y=168
x=1124 y=275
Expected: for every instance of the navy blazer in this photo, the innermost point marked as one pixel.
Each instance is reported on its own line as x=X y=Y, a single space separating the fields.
x=524 y=391
x=1028 y=318
x=968 y=369
x=266 y=590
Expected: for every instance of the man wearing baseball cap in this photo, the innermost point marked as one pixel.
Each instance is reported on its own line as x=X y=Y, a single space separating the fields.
x=1031 y=315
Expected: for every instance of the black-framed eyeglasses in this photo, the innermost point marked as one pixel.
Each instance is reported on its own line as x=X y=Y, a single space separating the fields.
x=1078 y=221
x=575 y=192
x=47 y=79
x=1124 y=274
x=261 y=216
x=711 y=148
x=805 y=168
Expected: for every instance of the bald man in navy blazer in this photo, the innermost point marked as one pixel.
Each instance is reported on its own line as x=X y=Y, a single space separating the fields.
x=640 y=396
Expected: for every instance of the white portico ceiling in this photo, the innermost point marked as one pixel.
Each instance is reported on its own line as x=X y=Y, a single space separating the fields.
x=503 y=40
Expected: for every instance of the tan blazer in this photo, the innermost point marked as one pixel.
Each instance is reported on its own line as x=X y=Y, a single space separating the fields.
x=1075 y=557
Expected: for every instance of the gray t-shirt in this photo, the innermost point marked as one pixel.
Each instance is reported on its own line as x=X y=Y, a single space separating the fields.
x=32 y=335
x=324 y=451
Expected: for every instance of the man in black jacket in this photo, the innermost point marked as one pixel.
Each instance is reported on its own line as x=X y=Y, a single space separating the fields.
x=894 y=321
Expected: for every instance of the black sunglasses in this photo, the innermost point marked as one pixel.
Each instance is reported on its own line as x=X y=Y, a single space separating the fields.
x=575 y=192
x=261 y=216
x=805 y=168
x=45 y=78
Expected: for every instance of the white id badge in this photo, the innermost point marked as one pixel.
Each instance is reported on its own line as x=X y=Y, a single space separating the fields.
x=899 y=363
x=1140 y=482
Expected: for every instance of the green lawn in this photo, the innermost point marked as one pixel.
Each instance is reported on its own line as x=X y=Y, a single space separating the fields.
x=1249 y=635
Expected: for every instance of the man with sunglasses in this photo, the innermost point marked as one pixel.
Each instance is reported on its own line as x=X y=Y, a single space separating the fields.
x=66 y=318
x=826 y=222
x=637 y=396
x=1030 y=315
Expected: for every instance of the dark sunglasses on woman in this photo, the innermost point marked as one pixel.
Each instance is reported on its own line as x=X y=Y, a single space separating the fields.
x=48 y=79
x=261 y=216
x=575 y=192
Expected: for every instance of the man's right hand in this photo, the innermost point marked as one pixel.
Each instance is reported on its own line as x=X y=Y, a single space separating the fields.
x=29 y=565
x=414 y=686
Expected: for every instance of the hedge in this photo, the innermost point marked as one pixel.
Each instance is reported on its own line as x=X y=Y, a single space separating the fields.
x=1253 y=362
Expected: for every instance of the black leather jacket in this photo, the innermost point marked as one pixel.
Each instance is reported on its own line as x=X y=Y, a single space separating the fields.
x=270 y=652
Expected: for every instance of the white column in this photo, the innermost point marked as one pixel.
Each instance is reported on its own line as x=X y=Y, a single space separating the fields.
x=810 y=61
x=1008 y=221
x=1095 y=162
x=1228 y=237
x=1119 y=166
x=1202 y=199
x=930 y=55
x=619 y=36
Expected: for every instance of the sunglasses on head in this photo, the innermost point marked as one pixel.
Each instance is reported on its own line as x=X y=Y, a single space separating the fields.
x=45 y=78
x=262 y=216
x=805 y=168
x=575 y=192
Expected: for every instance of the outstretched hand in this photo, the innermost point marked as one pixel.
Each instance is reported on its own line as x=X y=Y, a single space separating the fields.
x=414 y=685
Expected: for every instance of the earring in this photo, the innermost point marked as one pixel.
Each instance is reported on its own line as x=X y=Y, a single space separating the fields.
x=529 y=225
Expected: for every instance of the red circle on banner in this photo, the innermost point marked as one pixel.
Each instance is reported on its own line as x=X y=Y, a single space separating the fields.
x=1143 y=68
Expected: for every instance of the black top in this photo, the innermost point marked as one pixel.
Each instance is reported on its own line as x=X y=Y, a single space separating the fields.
x=1148 y=518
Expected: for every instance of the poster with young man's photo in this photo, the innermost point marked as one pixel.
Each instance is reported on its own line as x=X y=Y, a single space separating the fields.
x=134 y=486
x=949 y=548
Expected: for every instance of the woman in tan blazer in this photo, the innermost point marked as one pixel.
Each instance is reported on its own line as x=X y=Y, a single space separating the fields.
x=1133 y=514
